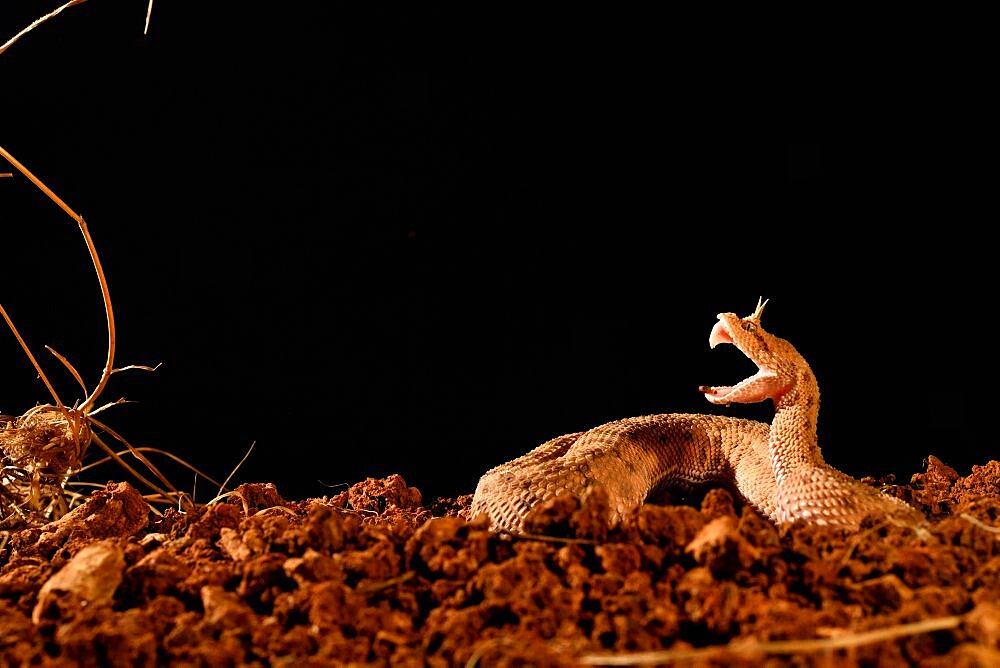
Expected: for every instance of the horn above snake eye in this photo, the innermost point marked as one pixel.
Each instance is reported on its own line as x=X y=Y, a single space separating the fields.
x=761 y=303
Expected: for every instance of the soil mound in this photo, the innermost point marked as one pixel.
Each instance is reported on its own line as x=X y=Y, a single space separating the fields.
x=373 y=576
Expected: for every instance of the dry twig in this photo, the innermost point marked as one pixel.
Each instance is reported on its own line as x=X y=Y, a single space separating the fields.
x=42 y=19
x=39 y=21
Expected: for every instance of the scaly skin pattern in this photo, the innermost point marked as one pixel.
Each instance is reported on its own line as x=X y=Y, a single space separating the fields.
x=778 y=468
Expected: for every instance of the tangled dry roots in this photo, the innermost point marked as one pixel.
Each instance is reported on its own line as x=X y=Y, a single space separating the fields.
x=40 y=451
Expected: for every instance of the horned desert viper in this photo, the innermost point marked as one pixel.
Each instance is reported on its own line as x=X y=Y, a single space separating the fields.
x=776 y=468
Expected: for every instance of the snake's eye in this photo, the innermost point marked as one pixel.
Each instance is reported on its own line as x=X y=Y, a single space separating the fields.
x=749 y=326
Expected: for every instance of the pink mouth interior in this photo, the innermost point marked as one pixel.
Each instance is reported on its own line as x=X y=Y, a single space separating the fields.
x=720 y=334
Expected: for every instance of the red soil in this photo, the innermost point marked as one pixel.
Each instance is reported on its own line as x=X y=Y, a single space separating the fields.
x=371 y=576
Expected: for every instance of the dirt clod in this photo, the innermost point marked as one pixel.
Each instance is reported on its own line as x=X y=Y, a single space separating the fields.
x=91 y=577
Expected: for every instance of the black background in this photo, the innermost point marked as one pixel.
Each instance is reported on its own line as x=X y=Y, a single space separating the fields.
x=421 y=241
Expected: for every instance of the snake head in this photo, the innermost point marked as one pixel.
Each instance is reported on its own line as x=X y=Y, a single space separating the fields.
x=779 y=365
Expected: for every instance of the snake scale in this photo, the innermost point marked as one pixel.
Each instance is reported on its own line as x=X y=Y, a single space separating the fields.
x=778 y=468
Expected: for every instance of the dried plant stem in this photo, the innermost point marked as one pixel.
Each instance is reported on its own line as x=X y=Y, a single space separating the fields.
x=34 y=362
x=137 y=454
x=108 y=310
x=37 y=22
x=69 y=367
x=845 y=641
x=147 y=448
x=230 y=476
x=78 y=420
x=125 y=465
x=44 y=188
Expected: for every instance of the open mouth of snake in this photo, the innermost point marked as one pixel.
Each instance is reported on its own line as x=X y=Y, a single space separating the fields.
x=748 y=389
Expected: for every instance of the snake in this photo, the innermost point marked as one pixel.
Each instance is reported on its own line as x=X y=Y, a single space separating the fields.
x=777 y=468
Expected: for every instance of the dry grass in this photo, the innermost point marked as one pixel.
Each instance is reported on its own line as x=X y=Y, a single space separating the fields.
x=45 y=446
x=37 y=22
x=55 y=12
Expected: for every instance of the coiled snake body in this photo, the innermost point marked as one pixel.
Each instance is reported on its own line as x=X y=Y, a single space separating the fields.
x=778 y=468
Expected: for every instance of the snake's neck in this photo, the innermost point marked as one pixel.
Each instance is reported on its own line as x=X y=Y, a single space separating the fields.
x=793 y=443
